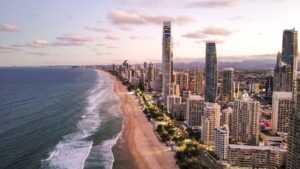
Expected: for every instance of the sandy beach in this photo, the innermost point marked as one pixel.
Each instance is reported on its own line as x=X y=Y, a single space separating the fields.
x=138 y=147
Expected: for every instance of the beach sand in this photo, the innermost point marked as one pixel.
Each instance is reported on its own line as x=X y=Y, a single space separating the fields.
x=138 y=147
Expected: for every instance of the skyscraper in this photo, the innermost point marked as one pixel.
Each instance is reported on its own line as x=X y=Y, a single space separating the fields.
x=167 y=60
x=286 y=66
x=245 y=120
x=228 y=84
x=210 y=121
x=290 y=47
x=211 y=72
x=293 y=159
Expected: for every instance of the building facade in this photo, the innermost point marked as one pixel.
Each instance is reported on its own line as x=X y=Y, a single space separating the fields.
x=245 y=121
x=228 y=84
x=194 y=112
x=210 y=121
x=281 y=109
x=211 y=73
x=256 y=156
x=167 y=60
x=293 y=161
x=221 y=142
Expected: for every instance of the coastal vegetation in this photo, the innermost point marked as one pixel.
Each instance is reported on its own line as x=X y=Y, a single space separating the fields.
x=189 y=151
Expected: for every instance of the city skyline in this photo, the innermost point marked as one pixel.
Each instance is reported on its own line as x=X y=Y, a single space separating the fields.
x=109 y=31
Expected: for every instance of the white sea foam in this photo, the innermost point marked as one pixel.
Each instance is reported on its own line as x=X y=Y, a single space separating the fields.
x=74 y=149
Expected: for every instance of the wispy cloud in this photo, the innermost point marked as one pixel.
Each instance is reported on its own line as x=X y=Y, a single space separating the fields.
x=40 y=43
x=72 y=40
x=8 y=28
x=216 y=31
x=212 y=3
x=195 y=35
x=120 y=17
x=8 y=49
x=37 y=53
x=208 y=31
x=111 y=37
x=96 y=29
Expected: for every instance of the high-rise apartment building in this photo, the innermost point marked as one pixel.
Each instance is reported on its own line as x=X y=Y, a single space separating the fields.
x=281 y=109
x=196 y=82
x=293 y=160
x=221 y=142
x=286 y=66
x=228 y=84
x=167 y=60
x=210 y=121
x=211 y=72
x=245 y=120
x=172 y=100
x=226 y=117
x=182 y=79
x=195 y=105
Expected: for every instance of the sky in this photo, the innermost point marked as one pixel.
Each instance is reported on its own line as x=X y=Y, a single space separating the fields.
x=83 y=32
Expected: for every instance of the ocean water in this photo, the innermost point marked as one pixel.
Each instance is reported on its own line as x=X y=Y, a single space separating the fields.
x=57 y=118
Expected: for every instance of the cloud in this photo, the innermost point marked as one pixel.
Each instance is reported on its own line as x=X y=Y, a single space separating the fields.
x=72 y=40
x=195 y=35
x=96 y=29
x=8 y=28
x=119 y=17
x=100 y=44
x=212 y=3
x=111 y=37
x=40 y=43
x=8 y=49
x=133 y=37
x=37 y=53
x=208 y=31
x=216 y=31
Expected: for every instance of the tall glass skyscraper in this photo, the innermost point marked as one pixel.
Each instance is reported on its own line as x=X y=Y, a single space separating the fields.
x=167 y=60
x=290 y=49
x=211 y=72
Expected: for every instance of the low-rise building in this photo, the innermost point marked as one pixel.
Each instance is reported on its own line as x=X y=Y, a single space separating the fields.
x=256 y=156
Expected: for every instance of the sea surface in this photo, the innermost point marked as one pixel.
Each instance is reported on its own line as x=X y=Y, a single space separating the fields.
x=57 y=118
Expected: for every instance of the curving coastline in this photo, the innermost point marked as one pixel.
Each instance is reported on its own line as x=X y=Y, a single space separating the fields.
x=138 y=147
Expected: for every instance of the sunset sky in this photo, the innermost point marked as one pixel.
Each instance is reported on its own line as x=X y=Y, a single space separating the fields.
x=63 y=32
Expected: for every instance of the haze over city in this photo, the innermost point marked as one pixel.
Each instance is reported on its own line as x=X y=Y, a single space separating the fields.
x=108 y=31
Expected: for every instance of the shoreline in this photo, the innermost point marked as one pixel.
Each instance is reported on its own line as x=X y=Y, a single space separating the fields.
x=138 y=146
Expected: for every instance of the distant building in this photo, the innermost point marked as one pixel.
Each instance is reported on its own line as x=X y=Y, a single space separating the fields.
x=211 y=73
x=179 y=111
x=269 y=87
x=196 y=82
x=182 y=79
x=286 y=66
x=221 y=142
x=172 y=100
x=256 y=156
x=290 y=56
x=228 y=84
x=210 y=121
x=167 y=61
x=195 y=105
x=226 y=117
x=281 y=108
x=245 y=120
x=186 y=95
x=293 y=161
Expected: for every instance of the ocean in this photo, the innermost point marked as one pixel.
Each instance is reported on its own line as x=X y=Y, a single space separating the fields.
x=57 y=118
